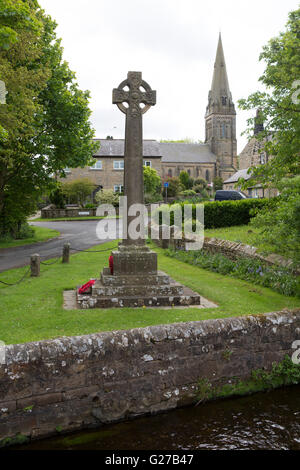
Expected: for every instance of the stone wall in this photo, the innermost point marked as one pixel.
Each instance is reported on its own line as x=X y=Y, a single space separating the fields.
x=73 y=383
x=232 y=250
x=53 y=213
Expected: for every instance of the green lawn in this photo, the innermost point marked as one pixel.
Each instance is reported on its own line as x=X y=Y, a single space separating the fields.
x=33 y=310
x=41 y=234
x=242 y=233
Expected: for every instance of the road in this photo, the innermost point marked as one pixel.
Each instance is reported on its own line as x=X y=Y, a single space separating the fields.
x=81 y=235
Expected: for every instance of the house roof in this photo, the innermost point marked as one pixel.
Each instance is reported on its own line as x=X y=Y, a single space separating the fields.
x=239 y=174
x=115 y=148
x=168 y=152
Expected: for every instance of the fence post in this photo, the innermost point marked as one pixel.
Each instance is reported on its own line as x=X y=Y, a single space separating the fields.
x=66 y=253
x=35 y=265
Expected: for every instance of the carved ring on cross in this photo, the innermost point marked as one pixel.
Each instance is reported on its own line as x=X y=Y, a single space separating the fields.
x=139 y=92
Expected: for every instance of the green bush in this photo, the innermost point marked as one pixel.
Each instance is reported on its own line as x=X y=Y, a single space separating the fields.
x=26 y=231
x=188 y=192
x=174 y=187
x=107 y=196
x=228 y=213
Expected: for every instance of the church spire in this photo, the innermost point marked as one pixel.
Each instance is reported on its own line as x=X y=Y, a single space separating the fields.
x=220 y=119
x=219 y=96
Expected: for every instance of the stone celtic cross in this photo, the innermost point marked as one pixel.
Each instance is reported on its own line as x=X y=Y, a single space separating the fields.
x=133 y=97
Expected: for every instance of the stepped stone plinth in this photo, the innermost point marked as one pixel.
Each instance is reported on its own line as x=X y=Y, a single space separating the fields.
x=136 y=282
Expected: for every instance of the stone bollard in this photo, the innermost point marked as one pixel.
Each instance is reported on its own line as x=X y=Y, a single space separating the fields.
x=66 y=253
x=163 y=232
x=35 y=265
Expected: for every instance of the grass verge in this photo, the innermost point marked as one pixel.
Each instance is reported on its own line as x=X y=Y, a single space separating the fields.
x=41 y=234
x=33 y=311
x=242 y=234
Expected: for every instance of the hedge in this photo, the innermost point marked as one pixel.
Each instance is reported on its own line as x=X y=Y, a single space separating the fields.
x=228 y=213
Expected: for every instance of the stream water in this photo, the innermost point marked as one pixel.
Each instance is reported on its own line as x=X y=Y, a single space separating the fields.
x=261 y=421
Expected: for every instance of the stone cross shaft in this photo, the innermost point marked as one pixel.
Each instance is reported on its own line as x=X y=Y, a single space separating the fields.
x=133 y=97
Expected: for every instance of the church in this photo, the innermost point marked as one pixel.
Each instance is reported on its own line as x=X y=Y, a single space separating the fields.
x=216 y=157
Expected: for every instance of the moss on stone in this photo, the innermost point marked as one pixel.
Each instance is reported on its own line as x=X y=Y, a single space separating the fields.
x=282 y=374
x=16 y=440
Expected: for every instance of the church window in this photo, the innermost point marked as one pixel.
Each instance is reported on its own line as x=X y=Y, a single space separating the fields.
x=224 y=100
x=170 y=172
x=189 y=172
x=223 y=130
x=207 y=176
x=148 y=163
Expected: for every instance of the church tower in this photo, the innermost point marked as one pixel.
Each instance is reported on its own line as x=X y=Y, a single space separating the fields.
x=220 y=119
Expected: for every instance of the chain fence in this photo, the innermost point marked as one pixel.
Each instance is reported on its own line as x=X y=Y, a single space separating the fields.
x=9 y=284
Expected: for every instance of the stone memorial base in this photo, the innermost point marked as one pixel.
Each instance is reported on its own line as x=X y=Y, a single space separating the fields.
x=136 y=282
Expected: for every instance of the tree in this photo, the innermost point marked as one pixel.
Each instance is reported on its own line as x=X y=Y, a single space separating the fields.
x=186 y=140
x=152 y=181
x=280 y=111
x=174 y=187
x=200 y=182
x=279 y=105
x=45 y=118
x=78 y=191
x=185 y=179
x=218 y=183
x=280 y=227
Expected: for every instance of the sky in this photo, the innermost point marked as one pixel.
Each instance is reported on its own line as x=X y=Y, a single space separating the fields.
x=173 y=43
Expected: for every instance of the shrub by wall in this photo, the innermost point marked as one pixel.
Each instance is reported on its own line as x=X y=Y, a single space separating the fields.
x=228 y=213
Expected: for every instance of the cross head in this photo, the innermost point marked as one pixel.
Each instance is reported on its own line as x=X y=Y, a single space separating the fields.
x=138 y=92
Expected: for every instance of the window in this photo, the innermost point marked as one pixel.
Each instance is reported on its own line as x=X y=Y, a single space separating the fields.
x=119 y=165
x=207 y=176
x=224 y=100
x=97 y=165
x=148 y=163
x=223 y=130
x=262 y=159
x=170 y=173
x=118 y=188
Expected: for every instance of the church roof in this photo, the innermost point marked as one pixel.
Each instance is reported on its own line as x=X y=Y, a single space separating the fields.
x=172 y=152
x=186 y=153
